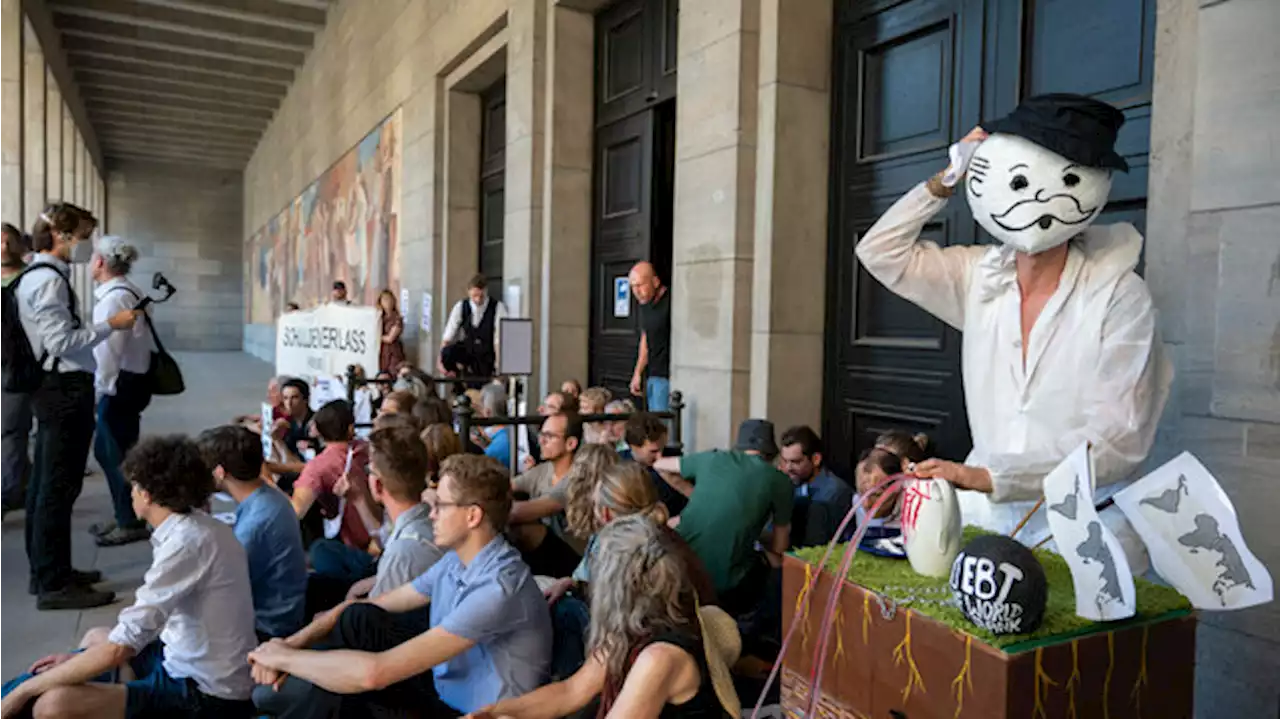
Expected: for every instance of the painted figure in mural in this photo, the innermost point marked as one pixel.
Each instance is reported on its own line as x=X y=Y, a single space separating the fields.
x=1060 y=343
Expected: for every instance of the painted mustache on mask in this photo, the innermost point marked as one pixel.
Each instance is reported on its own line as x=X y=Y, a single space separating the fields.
x=1062 y=208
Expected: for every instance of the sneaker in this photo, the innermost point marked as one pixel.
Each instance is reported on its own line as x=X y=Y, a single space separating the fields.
x=121 y=536
x=83 y=579
x=74 y=596
x=98 y=529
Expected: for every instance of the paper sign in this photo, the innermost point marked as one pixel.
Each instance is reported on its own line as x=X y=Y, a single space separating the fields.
x=512 y=300
x=426 y=312
x=621 y=297
x=1193 y=536
x=267 y=423
x=1103 y=581
x=324 y=390
x=333 y=526
x=327 y=339
x=404 y=302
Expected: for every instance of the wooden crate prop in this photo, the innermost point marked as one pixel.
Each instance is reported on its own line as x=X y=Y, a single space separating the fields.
x=892 y=662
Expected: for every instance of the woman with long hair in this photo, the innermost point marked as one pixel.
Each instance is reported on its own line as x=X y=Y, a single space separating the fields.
x=391 y=351
x=653 y=652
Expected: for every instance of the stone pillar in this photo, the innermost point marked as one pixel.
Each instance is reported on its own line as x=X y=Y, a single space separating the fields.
x=419 y=224
x=566 y=255
x=459 y=256
x=33 y=107
x=11 y=99
x=714 y=216
x=522 y=268
x=68 y=154
x=791 y=212
x=53 y=138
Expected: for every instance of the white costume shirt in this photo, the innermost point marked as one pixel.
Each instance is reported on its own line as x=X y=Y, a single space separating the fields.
x=1095 y=369
x=454 y=324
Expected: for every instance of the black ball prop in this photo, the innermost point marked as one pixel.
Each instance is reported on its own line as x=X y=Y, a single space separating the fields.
x=1000 y=585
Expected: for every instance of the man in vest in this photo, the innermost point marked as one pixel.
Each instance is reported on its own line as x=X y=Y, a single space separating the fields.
x=470 y=337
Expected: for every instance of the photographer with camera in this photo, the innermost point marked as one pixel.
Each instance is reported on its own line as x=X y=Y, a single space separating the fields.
x=121 y=384
x=49 y=354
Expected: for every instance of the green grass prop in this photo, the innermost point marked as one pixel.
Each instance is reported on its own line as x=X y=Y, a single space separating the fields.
x=895 y=579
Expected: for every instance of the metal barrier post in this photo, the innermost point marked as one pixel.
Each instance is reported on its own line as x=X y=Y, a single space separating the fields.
x=677 y=422
x=351 y=385
x=463 y=411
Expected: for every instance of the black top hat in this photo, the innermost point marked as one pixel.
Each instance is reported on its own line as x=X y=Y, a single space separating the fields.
x=1079 y=128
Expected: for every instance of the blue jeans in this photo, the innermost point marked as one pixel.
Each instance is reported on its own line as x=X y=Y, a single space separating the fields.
x=657 y=394
x=570 y=618
x=331 y=558
x=119 y=423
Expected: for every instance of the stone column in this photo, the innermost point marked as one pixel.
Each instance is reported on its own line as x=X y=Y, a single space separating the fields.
x=459 y=258
x=791 y=212
x=11 y=99
x=523 y=270
x=53 y=138
x=714 y=215
x=566 y=255
x=68 y=154
x=33 y=140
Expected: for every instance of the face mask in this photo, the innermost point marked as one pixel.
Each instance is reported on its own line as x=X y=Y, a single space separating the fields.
x=81 y=252
x=1031 y=198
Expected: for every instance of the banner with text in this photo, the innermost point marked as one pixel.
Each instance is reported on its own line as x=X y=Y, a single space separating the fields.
x=325 y=340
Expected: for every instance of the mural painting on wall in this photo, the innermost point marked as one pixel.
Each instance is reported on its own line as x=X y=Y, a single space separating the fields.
x=344 y=226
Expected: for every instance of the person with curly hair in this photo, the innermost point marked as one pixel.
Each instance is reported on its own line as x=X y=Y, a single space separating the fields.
x=489 y=637
x=653 y=651
x=185 y=638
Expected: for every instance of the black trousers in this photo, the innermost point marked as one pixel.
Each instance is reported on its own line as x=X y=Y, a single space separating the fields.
x=460 y=359
x=369 y=628
x=63 y=408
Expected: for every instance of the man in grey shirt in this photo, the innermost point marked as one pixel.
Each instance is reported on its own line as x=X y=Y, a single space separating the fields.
x=397 y=476
x=63 y=404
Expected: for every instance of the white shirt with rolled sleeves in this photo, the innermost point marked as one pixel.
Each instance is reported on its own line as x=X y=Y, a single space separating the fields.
x=196 y=598
x=1095 y=368
x=128 y=350
x=42 y=306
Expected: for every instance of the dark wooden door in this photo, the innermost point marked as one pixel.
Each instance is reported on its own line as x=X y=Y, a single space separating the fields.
x=493 y=161
x=635 y=87
x=910 y=79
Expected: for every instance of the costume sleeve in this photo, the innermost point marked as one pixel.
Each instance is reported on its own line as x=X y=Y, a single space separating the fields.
x=177 y=569
x=1124 y=400
x=935 y=278
x=453 y=324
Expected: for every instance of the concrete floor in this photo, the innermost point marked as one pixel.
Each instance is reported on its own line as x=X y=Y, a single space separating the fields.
x=220 y=385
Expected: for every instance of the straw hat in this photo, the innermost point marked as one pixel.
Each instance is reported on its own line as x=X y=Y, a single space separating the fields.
x=722 y=644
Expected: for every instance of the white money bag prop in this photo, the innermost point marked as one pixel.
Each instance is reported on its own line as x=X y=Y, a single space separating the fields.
x=931 y=528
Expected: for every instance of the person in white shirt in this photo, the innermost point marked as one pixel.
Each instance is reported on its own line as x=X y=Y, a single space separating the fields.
x=62 y=404
x=470 y=336
x=186 y=638
x=1060 y=339
x=120 y=383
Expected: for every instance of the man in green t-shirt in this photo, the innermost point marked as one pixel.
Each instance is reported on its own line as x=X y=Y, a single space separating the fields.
x=737 y=492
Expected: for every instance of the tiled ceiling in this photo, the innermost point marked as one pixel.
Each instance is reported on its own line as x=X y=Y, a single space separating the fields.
x=189 y=81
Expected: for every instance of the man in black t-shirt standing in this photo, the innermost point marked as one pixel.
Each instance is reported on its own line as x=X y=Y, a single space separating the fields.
x=655 y=338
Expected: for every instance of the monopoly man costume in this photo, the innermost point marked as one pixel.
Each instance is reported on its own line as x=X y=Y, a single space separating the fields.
x=1094 y=368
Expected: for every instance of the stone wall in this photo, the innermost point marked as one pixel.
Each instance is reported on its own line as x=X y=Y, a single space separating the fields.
x=1213 y=264
x=186 y=224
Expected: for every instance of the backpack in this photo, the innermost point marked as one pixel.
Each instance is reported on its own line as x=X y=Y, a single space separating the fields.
x=23 y=371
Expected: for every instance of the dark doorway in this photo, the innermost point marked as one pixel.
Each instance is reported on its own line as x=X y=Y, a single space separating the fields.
x=911 y=78
x=634 y=171
x=493 y=161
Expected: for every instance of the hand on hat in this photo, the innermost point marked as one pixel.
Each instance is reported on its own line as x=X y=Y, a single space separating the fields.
x=962 y=476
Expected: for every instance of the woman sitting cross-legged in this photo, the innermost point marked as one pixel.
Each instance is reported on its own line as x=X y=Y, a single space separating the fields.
x=653 y=652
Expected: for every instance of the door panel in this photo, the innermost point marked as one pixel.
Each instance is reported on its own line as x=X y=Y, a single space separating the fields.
x=911 y=77
x=493 y=160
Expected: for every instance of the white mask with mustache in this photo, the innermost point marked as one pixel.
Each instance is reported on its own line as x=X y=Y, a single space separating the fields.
x=1032 y=198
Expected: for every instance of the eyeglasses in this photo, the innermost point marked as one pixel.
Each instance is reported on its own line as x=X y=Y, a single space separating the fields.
x=437 y=505
x=548 y=436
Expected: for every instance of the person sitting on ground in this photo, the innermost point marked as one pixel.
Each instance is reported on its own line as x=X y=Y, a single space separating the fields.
x=336 y=480
x=267 y=527
x=293 y=431
x=593 y=400
x=489 y=637
x=185 y=638
x=646 y=436
x=381 y=387
x=398 y=402
x=894 y=452
x=737 y=493
x=415 y=381
x=493 y=403
x=442 y=443
x=537 y=523
x=433 y=410
x=398 y=419
x=653 y=651
x=571 y=387
x=614 y=432
x=397 y=477
x=820 y=500
x=274 y=398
